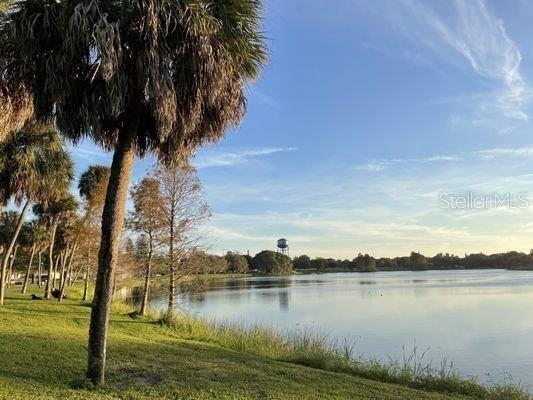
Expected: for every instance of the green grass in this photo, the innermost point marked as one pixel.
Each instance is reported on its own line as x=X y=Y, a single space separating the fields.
x=43 y=355
x=315 y=350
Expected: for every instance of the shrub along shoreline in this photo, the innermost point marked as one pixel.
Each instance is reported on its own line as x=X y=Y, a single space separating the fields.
x=315 y=350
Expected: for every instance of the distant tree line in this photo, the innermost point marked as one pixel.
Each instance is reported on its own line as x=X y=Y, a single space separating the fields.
x=416 y=262
x=265 y=262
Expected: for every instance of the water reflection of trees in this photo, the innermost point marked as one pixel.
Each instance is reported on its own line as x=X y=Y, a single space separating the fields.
x=207 y=285
x=284 y=300
x=196 y=291
x=130 y=295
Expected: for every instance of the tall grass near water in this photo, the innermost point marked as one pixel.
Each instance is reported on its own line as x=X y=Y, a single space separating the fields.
x=317 y=350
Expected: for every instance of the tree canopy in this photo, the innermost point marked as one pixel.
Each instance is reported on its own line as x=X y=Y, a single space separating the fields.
x=177 y=67
x=237 y=263
x=272 y=263
x=34 y=165
x=135 y=76
x=89 y=181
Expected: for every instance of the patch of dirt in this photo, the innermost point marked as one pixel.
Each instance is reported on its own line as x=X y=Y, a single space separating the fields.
x=132 y=377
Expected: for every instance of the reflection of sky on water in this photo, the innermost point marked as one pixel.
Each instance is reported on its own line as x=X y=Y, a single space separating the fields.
x=483 y=320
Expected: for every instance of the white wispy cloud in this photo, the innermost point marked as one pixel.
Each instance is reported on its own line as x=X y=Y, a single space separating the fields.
x=468 y=28
x=235 y=158
x=507 y=152
x=88 y=152
x=373 y=167
x=484 y=154
x=377 y=166
x=263 y=97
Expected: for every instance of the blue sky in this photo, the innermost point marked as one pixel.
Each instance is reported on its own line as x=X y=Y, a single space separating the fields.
x=368 y=113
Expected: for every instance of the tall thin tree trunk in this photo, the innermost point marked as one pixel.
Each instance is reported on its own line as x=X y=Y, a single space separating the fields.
x=144 y=304
x=48 y=289
x=39 y=269
x=87 y=268
x=69 y=269
x=61 y=262
x=28 y=271
x=66 y=272
x=112 y=225
x=11 y=262
x=9 y=249
x=172 y=277
x=77 y=275
x=62 y=271
x=114 y=286
x=64 y=261
x=56 y=265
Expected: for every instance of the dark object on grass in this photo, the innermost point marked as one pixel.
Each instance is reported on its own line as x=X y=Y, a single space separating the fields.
x=34 y=297
x=56 y=293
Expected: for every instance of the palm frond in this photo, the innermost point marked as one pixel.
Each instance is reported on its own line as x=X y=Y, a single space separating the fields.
x=3 y=5
x=34 y=165
x=178 y=66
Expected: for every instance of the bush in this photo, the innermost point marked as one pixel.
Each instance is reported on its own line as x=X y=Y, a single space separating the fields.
x=272 y=263
x=237 y=263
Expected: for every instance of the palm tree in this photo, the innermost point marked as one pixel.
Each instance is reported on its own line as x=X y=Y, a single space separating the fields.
x=34 y=236
x=92 y=187
x=136 y=76
x=34 y=166
x=8 y=224
x=52 y=212
x=67 y=239
x=3 y=5
x=16 y=101
x=93 y=176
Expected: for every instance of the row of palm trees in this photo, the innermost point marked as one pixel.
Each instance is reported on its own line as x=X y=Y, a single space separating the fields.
x=35 y=238
x=134 y=76
x=36 y=169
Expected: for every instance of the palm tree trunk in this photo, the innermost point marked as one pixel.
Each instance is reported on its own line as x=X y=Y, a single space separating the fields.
x=39 y=268
x=87 y=268
x=28 y=271
x=11 y=262
x=144 y=304
x=112 y=225
x=56 y=265
x=69 y=269
x=48 y=289
x=63 y=272
x=60 y=267
x=5 y=261
x=76 y=275
x=66 y=272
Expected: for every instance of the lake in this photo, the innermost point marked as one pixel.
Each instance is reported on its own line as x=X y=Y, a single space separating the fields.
x=482 y=320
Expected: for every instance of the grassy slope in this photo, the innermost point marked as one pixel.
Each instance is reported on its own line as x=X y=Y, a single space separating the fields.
x=43 y=348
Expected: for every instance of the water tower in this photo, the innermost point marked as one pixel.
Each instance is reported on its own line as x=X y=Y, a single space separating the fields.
x=283 y=246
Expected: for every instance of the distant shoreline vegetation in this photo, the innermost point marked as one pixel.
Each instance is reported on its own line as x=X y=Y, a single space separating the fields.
x=417 y=262
x=269 y=262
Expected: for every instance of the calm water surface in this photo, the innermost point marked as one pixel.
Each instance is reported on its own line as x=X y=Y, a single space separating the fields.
x=482 y=320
